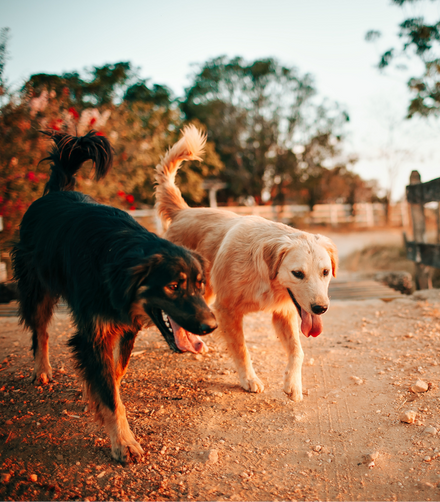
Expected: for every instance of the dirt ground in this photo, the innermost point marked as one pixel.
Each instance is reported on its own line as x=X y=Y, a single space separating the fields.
x=207 y=439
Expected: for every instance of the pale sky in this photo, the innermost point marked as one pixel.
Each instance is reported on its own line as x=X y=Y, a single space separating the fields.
x=321 y=37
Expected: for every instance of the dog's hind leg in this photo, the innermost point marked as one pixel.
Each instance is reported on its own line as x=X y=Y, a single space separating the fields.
x=40 y=340
x=287 y=329
x=231 y=329
x=102 y=358
x=36 y=309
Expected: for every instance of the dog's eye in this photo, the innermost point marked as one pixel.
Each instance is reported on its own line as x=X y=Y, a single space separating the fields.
x=174 y=286
x=298 y=274
x=325 y=272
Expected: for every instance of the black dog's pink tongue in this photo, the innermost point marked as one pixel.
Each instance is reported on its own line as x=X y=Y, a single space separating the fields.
x=310 y=324
x=186 y=341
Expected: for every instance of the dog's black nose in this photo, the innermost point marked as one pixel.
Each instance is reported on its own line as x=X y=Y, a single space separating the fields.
x=319 y=309
x=208 y=327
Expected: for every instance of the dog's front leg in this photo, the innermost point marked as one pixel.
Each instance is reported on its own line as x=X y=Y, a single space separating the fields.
x=102 y=362
x=231 y=329
x=122 y=353
x=287 y=329
x=124 y=445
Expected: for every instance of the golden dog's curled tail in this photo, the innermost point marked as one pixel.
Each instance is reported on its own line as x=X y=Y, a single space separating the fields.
x=169 y=200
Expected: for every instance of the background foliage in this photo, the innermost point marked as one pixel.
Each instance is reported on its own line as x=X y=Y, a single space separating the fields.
x=421 y=43
x=270 y=137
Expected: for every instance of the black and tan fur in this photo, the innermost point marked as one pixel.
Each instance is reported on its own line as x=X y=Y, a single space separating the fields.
x=115 y=276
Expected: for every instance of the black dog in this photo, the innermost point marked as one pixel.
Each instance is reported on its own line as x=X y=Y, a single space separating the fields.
x=115 y=276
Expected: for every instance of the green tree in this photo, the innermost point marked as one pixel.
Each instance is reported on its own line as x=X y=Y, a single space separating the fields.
x=255 y=112
x=4 y=37
x=420 y=41
x=101 y=86
x=140 y=127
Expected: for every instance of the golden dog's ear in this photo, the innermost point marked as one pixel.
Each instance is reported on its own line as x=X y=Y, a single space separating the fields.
x=331 y=249
x=273 y=254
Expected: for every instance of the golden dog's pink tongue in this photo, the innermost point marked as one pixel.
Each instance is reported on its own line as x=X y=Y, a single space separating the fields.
x=186 y=341
x=310 y=324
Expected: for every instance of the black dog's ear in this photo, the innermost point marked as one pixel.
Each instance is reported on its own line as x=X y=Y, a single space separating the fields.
x=124 y=279
x=203 y=261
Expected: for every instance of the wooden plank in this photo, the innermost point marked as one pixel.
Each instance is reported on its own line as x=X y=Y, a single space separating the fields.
x=421 y=193
x=421 y=252
x=423 y=275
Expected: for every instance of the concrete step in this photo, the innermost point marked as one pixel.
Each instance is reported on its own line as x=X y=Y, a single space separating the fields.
x=361 y=290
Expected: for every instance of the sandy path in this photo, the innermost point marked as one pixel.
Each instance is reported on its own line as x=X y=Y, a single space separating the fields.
x=209 y=440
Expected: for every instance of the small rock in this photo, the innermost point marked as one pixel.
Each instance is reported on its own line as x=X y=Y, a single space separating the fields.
x=309 y=454
x=370 y=457
x=420 y=386
x=33 y=478
x=408 y=417
x=213 y=456
x=8 y=422
x=299 y=417
x=371 y=464
x=398 y=280
x=432 y=431
x=5 y=477
x=357 y=380
x=427 y=459
x=64 y=412
x=59 y=457
x=317 y=448
x=163 y=450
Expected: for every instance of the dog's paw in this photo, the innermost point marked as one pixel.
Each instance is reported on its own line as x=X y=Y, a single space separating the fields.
x=127 y=451
x=42 y=377
x=294 y=392
x=253 y=384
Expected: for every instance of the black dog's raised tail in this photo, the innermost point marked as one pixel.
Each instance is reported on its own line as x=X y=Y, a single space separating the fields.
x=68 y=155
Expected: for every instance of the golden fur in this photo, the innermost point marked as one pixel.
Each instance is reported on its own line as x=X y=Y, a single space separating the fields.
x=250 y=267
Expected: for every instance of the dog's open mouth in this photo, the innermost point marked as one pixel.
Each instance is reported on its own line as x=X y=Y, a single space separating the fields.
x=311 y=324
x=186 y=341
x=177 y=338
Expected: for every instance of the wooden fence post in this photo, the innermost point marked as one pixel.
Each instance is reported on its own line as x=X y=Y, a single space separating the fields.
x=423 y=272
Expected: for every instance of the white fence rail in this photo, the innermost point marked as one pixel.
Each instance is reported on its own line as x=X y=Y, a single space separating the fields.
x=360 y=215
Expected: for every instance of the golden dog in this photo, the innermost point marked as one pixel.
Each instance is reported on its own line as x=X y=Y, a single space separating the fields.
x=253 y=264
